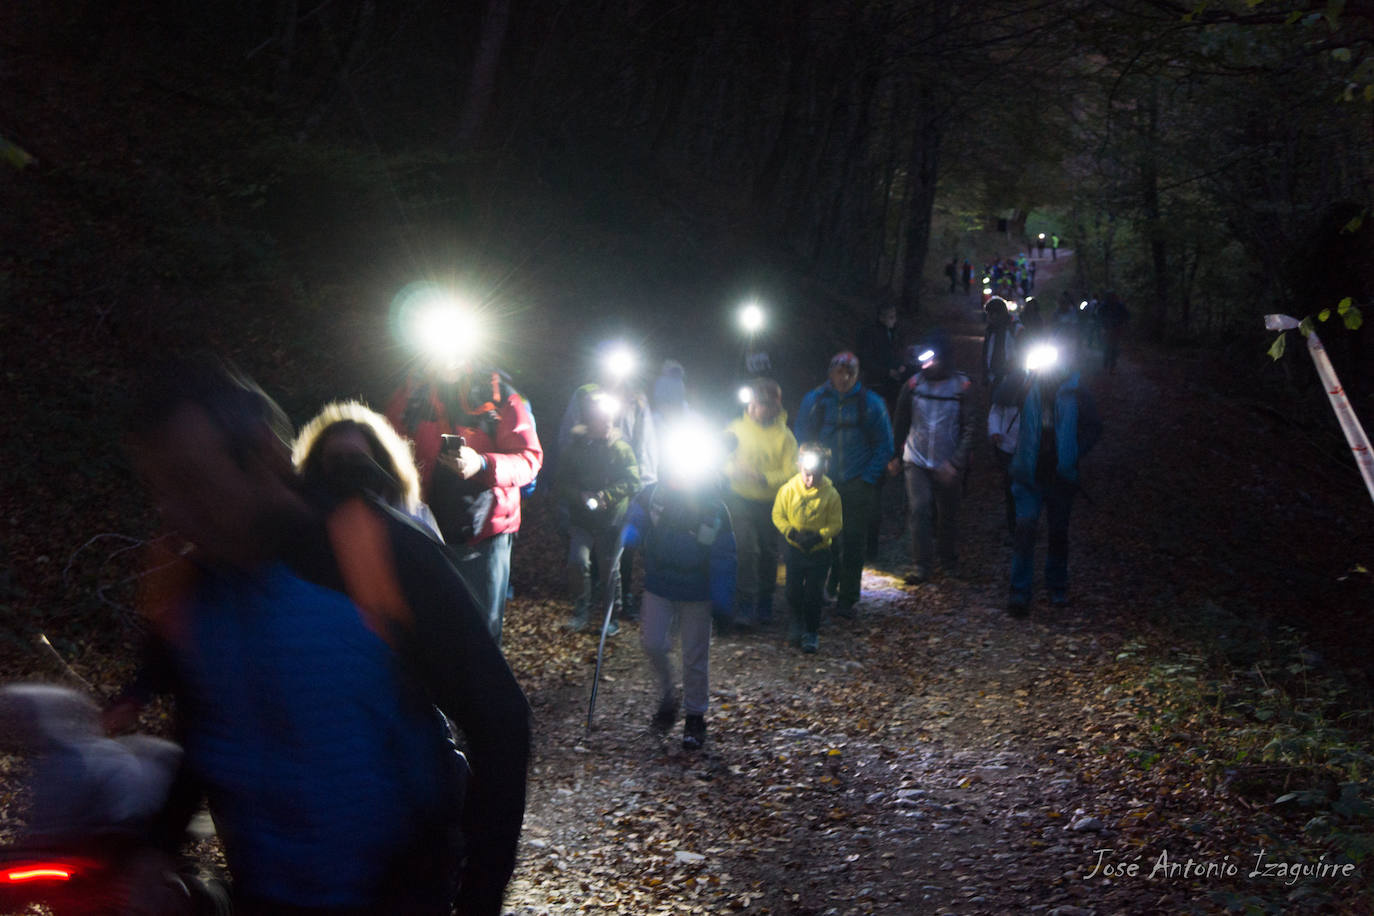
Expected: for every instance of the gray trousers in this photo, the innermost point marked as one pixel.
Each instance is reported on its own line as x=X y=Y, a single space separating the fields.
x=581 y=543
x=933 y=518
x=656 y=617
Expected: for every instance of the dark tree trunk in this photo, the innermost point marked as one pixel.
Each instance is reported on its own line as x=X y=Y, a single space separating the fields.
x=482 y=83
x=922 y=172
x=1154 y=222
x=770 y=168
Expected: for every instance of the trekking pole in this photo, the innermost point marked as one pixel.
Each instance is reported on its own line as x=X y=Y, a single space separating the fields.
x=611 y=569
x=68 y=669
x=1345 y=414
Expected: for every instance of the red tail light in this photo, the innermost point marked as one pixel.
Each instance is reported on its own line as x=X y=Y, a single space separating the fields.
x=34 y=872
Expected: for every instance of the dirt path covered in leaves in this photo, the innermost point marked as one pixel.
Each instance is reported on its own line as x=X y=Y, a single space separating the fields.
x=935 y=755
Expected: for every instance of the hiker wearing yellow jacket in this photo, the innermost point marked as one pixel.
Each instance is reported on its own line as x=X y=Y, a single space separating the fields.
x=807 y=511
x=764 y=457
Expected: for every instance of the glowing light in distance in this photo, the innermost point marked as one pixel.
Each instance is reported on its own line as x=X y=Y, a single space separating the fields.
x=1041 y=357
x=926 y=357
x=592 y=504
x=751 y=318
x=987 y=291
x=1082 y=305
x=987 y=280
x=1042 y=235
x=1012 y=306
x=746 y=394
x=620 y=362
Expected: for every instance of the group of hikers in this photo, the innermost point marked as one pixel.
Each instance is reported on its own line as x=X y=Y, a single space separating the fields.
x=328 y=608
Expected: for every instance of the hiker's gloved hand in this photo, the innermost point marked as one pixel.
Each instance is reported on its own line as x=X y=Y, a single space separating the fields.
x=808 y=540
x=465 y=462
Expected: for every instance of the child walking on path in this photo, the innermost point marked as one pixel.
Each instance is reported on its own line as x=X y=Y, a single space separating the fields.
x=682 y=530
x=807 y=511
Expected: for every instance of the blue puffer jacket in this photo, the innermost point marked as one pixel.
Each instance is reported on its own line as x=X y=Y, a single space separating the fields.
x=687 y=543
x=319 y=760
x=1076 y=429
x=854 y=426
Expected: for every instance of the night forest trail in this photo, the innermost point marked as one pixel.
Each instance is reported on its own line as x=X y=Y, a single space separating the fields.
x=935 y=755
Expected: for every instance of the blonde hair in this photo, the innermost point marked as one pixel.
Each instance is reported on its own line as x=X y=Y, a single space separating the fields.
x=393 y=454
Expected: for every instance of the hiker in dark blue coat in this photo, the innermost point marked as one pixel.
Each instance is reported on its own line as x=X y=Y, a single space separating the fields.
x=682 y=530
x=852 y=422
x=1059 y=424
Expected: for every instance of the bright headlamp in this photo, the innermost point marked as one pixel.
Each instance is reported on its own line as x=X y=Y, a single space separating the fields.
x=1082 y=305
x=746 y=395
x=439 y=325
x=810 y=461
x=692 y=452
x=593 y=504
x=619 y=362
x=987 y=291
x=1042 y=357
x=605 y=404
x=751 y=317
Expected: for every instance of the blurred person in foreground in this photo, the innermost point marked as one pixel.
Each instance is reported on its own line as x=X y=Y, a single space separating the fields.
x=307 y=642
x=682 y=530
x=348 y=449
x=763 y=459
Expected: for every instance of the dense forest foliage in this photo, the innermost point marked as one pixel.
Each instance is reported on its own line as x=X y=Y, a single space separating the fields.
x=1208 y=162
x=175 y=169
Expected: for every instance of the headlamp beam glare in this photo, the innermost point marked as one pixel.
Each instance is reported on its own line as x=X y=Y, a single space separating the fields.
x=746 y=395
x=1042 y=357
x=620 y=363
x=751 y=317
x=442 y=327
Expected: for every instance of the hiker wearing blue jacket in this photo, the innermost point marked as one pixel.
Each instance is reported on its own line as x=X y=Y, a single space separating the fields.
x=852 y=422
x=1059 y=424
x=682 y=530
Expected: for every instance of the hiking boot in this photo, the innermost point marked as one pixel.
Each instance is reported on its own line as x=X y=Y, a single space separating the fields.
x=576 y=624
x=845 y=609
x=1018 y=606
x=666 y=715
x=693 y=732
x=612 y=629
x=810 y=642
